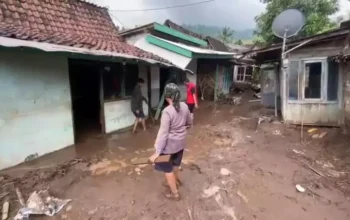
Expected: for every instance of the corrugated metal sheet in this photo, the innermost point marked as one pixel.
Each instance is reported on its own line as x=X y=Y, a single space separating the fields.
x=175 y=58
x=197 y=49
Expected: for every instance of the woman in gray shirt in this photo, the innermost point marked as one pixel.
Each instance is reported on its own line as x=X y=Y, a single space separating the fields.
x=175 y=120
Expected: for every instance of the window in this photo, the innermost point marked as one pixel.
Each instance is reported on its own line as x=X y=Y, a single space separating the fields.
x=119 y=81
x=313 y=80
x=240 y=73
x=248 y=73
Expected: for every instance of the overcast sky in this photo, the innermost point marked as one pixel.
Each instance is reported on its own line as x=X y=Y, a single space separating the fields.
x=238 y=14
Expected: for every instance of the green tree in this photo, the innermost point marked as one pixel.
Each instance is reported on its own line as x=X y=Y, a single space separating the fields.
x=316 y=12
x=226 y=35
x=239 y=42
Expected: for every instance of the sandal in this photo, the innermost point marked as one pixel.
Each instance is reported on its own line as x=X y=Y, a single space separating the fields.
x=172 y=196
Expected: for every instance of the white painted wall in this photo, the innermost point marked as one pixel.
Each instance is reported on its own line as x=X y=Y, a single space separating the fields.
x=118 y=114
x=193 y=67
x=134 y=38
x=155 y=84
x=35 y=110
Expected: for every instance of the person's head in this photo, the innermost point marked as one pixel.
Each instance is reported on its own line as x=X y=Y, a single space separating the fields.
x=172 y=95
x=140 y=82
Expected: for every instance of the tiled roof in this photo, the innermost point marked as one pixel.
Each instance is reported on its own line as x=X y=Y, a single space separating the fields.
x=71 y=23
x=177 y=27
x=217 y=45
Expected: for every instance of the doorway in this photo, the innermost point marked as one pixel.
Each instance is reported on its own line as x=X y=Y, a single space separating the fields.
x=85 y=90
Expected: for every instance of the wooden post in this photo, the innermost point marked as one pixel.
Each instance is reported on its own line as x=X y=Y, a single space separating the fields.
x=216 y=82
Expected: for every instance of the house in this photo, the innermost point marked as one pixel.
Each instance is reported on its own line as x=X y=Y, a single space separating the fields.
x=212 y=69
x=64 y=75
x=312 y=87
x=244 y=68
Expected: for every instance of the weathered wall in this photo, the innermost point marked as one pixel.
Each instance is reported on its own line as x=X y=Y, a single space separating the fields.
x=347 y=93
x=315 y=112
x=35 y=110
x=193 y=67
x=155 y=84
x=134 y=38
x=118 y=114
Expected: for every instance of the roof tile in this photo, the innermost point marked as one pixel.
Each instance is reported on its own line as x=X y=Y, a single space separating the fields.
x=72 y=23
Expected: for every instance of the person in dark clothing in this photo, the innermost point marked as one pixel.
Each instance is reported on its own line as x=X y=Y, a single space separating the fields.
x=136 y=105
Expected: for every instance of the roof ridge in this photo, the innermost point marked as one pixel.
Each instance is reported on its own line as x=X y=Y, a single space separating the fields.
x=87 y=2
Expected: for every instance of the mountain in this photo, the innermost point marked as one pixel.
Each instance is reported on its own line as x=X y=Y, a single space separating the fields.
x=214 y=31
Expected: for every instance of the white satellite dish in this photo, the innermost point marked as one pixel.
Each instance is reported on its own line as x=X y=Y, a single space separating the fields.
x=288 y=23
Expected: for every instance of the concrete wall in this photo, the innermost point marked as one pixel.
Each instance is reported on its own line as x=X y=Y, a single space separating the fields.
x=155 y=84
x=134 y=38
x=347 y=93
x=35 y=112
x=118 y=114
x=193 y=67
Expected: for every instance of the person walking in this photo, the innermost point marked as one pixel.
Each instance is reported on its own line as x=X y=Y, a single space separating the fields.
x=191 y=101
x=136 y=105
x=171 y=136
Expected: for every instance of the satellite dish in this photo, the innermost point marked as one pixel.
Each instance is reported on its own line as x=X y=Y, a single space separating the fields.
x=288 y=23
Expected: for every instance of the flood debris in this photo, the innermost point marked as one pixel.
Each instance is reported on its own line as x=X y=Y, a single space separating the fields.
x=41 y=203
x=243 y=197
x=5 y=210
x=225 y=172
x=312 y=130
x=300 y=188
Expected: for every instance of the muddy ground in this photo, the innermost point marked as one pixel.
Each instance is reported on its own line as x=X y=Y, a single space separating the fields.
x=232 y=170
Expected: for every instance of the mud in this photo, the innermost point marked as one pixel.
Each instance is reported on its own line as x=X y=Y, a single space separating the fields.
x=232 y=170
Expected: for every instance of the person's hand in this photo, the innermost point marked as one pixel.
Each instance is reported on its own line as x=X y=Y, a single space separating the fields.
x=196 y=105
x=154 y=157
x=137 y=111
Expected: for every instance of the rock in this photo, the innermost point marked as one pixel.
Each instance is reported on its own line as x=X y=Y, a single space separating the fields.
x=300 y=188
x=315 y=136
x=2 y=178
x=69 y=208
x=225 y=172
x=322 y=134
x=64 y=217
x=137 y=169
x=133 y=202
x=218 y=143
x=122 y=148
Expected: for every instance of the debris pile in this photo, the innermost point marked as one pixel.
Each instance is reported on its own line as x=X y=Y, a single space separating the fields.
x=33 y=180
x=41 y=203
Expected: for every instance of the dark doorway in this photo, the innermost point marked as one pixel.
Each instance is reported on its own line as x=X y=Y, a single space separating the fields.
x=85 y=90
x=164 y=75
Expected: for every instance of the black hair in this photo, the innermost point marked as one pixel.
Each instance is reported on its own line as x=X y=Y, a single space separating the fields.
x=140 y=80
